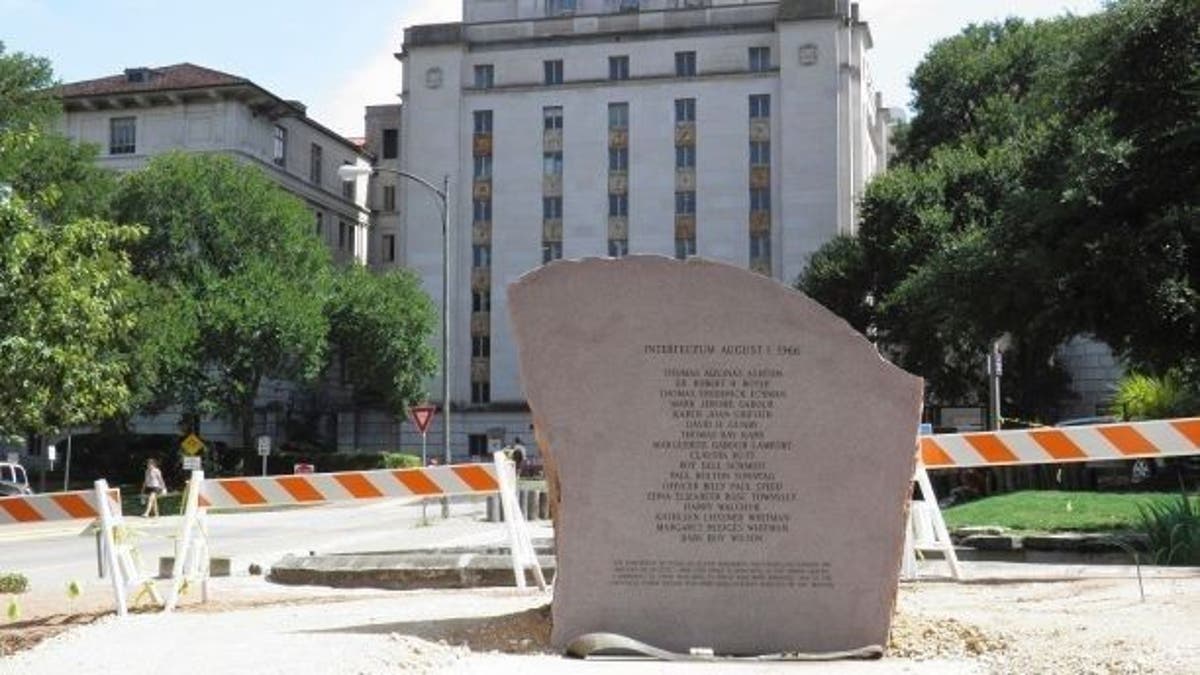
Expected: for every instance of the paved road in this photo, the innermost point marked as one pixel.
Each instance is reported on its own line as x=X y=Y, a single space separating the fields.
x=53 y=554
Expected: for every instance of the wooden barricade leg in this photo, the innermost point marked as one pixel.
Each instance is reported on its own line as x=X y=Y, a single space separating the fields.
x=108 y=524
x=191 y=548
x=940 y=532
x=523 y=553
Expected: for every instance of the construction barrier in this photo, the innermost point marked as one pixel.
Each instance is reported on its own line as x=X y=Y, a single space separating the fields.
x=191 y=555
x=43 y=508
x=439 y=481
x=129 y=579
x=1053 y=445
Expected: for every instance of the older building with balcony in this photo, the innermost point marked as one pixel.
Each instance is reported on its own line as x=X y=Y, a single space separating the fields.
x=148 y=111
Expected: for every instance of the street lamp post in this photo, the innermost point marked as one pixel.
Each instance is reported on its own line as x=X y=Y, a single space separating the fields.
x=352 y=172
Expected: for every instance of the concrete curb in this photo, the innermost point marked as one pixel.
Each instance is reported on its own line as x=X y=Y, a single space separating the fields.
x=402 y=571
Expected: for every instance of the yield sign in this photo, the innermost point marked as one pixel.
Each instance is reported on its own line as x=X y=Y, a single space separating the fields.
x=422 y=416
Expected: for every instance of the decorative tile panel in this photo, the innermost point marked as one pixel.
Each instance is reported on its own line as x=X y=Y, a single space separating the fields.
x=481 y=145
x=552 y=229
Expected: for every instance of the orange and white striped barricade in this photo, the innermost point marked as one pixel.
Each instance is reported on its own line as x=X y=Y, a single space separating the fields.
x=43 y=508
x=191 y=563
x=124 y=560
x=436 y=481
x=1156 y=439
x=1054 y=445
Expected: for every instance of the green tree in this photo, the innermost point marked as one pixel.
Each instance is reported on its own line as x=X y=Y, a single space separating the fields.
x=66 y=311
x=25 y=99
x=1049 y=188
x=379 y=330
x=67 y=298
x=239 y=284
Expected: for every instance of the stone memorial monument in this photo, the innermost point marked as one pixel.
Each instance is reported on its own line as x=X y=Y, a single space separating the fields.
x=730 y=461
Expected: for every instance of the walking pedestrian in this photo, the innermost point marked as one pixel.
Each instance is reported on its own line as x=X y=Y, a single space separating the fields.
x=152 y=487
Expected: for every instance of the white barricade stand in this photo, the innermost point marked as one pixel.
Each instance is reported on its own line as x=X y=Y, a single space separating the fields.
x=124 y=561
x=191 y=564
x=926 y=530
x=523 y=554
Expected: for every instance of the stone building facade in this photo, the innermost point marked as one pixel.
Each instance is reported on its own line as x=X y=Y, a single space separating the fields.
x=738 y=131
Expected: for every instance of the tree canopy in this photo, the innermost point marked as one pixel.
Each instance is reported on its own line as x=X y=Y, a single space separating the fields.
x=239 y=284
x=1047 y=187
x=379 y=330
x=66 y=291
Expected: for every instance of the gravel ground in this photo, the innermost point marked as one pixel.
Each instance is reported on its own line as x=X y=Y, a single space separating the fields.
x=1096 y=624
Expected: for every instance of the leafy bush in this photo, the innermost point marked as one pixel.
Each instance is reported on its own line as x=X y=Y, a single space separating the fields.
x=401 y=460
x=13 y=582
x=1174 y=531
x=1147 y=397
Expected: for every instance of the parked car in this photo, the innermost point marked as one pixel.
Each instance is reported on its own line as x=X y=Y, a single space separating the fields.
x=13 y=480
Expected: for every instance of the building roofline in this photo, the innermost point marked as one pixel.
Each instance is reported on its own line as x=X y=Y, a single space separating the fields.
x=280 y=107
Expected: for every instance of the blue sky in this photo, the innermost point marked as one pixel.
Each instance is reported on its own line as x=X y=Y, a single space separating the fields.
x=337 y=56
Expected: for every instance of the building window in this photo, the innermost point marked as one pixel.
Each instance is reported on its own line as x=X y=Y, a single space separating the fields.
x=559 y=7
x=481 y=346
x=483 y=167
x=551 y=207
x=685 y=203
x=552 y=163
x=279 y=152
x=618 y=206
x=319 y=230
x=685 y=248
x=553 y=71
x=760 y=59
x=485 y=76
x=391 y=143
x=122 y=136
x=552 y=117
x=760 y=152
x=685 y=110
x=389 y=198
x=481 y=256
x=760 y=106
x=760 y=246
x=618 y=159
x=685 y=157
x=618 y=248
x=685 y=64
x=551 y=250
x=760 y=199
x=481 y=302
x=618 y=67
x=483 y=209
x=342 y=231
x=349 y=187
x=483 y=121
x=477 y=444
x=389 y=248
x=314 y=165
x=618 y=115
x=481 y=392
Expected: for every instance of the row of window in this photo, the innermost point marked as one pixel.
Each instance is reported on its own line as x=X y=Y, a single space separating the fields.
x=618 y=114
x=481 y=254
x=758 y=58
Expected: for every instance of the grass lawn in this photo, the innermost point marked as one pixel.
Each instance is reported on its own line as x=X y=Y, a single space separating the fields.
x=1054 y=511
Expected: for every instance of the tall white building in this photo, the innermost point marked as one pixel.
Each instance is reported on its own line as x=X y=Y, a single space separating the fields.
x=735 y=130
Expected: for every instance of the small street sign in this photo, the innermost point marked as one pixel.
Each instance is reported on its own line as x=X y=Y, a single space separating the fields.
x=264 y=445
x=422 y=416
x=191 y=463
x=192 y=445
x=51 y=453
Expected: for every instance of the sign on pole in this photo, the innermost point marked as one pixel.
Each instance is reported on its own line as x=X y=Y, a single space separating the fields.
x=264 y=449
x=191 y=463
x=192 y=445
x=422 y=416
